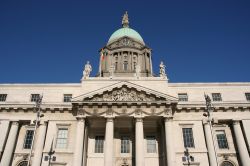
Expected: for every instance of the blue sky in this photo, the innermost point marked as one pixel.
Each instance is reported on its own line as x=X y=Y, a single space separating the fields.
x=49 y=41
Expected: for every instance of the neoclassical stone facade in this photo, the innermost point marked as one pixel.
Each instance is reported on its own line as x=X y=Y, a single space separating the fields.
x=125 y=116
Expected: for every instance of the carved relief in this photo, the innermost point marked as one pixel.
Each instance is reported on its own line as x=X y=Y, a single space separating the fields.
x=123 y=94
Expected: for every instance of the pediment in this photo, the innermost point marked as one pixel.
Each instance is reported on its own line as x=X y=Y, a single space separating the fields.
x=124 y=92
x=125 y=42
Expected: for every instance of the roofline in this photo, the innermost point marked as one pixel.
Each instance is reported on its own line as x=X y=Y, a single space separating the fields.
x=40 y=84
x=198 y=84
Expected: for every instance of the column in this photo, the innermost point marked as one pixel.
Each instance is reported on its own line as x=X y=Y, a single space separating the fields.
x=210 y=145
x=169 y=141
x=242 y=149
x=109 y=136
x=139 y=142
x=40 y=139
x=4 y=126
x=10 y=145
x=79 y=136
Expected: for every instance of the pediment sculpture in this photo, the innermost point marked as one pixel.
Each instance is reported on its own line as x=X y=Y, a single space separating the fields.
x=123 y=94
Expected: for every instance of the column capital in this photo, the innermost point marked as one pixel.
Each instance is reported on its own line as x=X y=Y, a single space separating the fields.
x=15 y=123
x=236 y=121
x=110 y=119
x=168 y=119
x=138 y=119
x=205 y=121
x=80 y=118
x=43 y=122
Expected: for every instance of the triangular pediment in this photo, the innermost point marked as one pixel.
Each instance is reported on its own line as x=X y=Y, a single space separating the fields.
x=124 y=92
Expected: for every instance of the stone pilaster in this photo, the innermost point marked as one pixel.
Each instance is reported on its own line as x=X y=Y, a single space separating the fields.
x=10 y=145
x=139 y=141
x=109 y=136
x=79 y=140
x=242 y=149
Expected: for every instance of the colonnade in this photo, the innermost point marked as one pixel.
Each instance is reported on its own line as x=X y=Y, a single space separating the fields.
x=240 y=142
x=11 y=136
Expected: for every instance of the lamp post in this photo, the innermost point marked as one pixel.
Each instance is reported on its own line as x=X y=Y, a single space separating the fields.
x=209 y=110
x=37 y=122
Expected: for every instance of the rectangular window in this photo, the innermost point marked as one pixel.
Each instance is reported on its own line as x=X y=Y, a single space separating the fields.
x=34 y=97
x=222 y=139
x=125 y=145
x=62 y=138
x=188 y=137
x=67 y=97
x=216 y=97
x=99 y=142
x=28 y=139
x=151 y=144
x=3 y=97
x=183 y=97
x=247 y=96
x=125 y=65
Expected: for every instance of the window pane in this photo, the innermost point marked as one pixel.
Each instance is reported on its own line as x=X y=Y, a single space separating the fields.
x=99 y=142
x=28 y=139
x=188 y=137
x=151 y=144
x=222 y=140
x=125 y=145
x=3 y=97
x=67 y=97
x=62 y=138
x=125 y=65
x=183 y=97
x=216 y=97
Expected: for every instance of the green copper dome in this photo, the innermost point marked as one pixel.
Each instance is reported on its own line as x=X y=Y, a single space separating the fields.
x=126 y=31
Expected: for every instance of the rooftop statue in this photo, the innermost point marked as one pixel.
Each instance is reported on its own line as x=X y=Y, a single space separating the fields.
x=125 y=21
x=87 y=70
x=162 y=70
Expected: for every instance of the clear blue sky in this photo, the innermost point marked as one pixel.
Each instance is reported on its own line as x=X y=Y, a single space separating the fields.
x=50 y=40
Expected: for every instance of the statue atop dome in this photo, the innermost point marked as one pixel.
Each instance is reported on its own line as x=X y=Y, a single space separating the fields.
x=125 y=21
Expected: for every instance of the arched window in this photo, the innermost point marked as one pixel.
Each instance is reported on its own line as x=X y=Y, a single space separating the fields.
x=226 y=163
x=23 y=163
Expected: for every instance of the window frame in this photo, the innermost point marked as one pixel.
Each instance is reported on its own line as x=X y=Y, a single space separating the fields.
x=151 y=144
x=125 y=63
x=216 y=98
x=65 y=96
x=3 y=97
x=59 y=145
x=99 y=144
x=34 y=97
x=188 y=142
x=29 y=144
x=222 y=143
x=125 y=146
x=183 y=99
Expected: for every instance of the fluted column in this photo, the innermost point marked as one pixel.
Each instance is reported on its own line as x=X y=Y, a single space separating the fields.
x=10 y=145
x=109 y=136
x=168 y=121
x=40 y=139
x=242 y=149
x=210 y=144
x=79 y=140
x=139 y=142
x=4 y=126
